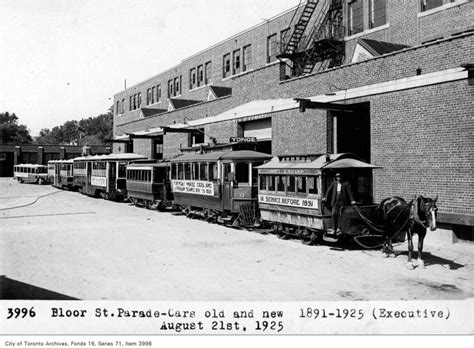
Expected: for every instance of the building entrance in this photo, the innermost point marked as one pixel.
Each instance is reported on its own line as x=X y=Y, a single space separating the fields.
x=352 y=131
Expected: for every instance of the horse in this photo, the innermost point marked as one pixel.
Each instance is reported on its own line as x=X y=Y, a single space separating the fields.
x=395 y=215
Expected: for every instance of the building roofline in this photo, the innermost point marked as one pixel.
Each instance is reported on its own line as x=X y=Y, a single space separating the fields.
x=214 y=46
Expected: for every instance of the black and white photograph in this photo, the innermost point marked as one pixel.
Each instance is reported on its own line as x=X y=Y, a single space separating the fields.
x=235 y=168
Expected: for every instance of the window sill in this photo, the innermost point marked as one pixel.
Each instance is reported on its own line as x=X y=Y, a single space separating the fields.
x=237 y=75
x=442 y=8
x=367 y=32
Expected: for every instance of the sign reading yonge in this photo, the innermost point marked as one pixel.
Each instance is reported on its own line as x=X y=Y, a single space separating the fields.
x=193 y=186
x=98 y=181
x=289 y=201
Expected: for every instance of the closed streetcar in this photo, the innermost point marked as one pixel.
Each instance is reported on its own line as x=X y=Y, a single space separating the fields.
x=148 y=184
x=219 y=186
x=61 y=174
x=103 y=175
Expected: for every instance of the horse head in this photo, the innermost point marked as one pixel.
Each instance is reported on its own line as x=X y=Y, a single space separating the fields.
x=428 y=211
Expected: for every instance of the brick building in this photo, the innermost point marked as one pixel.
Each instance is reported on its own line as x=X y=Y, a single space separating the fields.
x=392 y=81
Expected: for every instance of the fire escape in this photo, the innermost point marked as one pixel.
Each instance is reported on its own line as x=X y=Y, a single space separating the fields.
x=317 y=39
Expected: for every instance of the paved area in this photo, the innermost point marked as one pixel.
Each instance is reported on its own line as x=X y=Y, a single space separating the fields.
x=57 y=243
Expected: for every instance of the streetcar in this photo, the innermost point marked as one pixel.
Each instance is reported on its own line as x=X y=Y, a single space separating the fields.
x=291 y=191
x=103 y=175
x=61 y=174
x=31 y=173
x=220 y=186
x=148 y=184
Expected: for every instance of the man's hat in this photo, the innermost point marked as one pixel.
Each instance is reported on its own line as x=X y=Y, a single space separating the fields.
x=338 y=175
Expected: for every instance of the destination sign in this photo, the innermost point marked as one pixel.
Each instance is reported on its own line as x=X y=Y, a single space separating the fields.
x=242 y=139
x=195 y=187
x=98 y=181
x=289 y=201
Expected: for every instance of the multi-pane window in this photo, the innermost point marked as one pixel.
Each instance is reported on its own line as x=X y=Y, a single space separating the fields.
x=226 y=66
x=192 y=78
x=284 y=38
x=130 y=103
x=117 y=109
x=153 y=90
x=200 y=76
x=356 y=17
x=377 y=13
x=208 y=73
x=177 y=85
x=427 y=5
x=139 y=100
x=170 y=89
x=158 y=93
x=271 y=48
x=148 y=96
x=122 y=109
x=236 y=62
x=247 y=58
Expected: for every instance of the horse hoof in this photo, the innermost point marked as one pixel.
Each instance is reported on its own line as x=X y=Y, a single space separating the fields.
x=410 y=266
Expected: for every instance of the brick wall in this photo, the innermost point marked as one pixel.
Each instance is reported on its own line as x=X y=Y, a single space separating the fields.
x=424 y=140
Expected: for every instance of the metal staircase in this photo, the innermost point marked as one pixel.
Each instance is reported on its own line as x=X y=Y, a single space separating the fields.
x=323 y=46
x=300 y=28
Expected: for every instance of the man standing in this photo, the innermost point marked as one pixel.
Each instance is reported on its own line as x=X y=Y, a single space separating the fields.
x=338 y=194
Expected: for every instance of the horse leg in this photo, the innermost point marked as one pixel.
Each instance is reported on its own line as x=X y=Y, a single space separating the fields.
x=410 y=250
x=421 y=238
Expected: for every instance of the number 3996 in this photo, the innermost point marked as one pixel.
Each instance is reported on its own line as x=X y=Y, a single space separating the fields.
x=15 y=313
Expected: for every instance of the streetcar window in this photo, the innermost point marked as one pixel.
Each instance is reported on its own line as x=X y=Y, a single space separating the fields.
x=301 y=184
x=180 y=171
x=226 y=171
x=312 y=184
x=187 y=171
x=242 y=173
x=271 y=182
x=263 y=182
x=291 y=183
x=196 y=171
x=280 y=182
x=122 y=167
x=203 y=171
x=212 y=171
x=174 y=172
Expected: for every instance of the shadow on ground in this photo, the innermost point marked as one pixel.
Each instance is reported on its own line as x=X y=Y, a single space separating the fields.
x=15 y=290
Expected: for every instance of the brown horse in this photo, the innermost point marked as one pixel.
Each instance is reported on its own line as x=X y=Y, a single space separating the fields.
x=395 y=216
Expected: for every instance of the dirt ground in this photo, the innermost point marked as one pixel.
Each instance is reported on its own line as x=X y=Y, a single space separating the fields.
x=57 y=243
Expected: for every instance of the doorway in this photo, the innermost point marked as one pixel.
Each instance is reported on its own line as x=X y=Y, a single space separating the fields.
x=351 y=131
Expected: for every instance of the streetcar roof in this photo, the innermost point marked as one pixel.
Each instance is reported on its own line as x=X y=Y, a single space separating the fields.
x=147 y=166
x=29 y=165
x=241 y=155
x=69 y=161
x=111 y=157
x=331 y=161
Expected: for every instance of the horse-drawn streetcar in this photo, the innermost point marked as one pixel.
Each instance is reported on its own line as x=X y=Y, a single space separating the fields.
x=292 y=191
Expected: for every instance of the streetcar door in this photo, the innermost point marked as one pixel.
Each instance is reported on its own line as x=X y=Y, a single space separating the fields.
x=112 y=176
x=228 y=183
x=57 y=173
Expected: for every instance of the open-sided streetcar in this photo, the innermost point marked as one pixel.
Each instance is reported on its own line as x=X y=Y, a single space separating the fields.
x=292 y=188
x=103 y=175
x=31 y=173
x=148 y=184
x=61 y=174
x=219 y=186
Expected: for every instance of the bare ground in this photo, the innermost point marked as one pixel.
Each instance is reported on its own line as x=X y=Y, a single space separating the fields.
x=55 y=242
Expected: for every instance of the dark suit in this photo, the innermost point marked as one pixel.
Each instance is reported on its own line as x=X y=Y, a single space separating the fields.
x=335 y=201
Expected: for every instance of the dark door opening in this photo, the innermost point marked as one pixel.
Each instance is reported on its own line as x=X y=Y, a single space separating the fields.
x=352 y=131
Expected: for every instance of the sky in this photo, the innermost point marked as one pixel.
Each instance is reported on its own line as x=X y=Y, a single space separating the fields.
x=64 y=60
